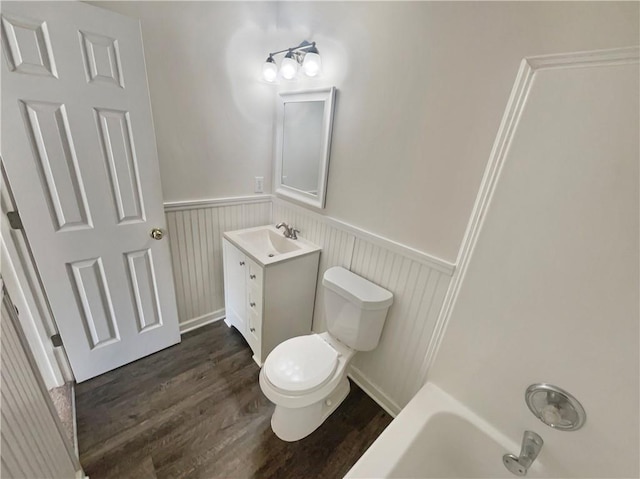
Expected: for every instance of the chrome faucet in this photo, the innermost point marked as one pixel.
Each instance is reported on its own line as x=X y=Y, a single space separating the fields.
x=531 y=446
x=289 y=231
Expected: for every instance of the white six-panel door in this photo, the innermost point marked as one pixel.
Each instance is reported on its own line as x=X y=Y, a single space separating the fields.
x=79 y=149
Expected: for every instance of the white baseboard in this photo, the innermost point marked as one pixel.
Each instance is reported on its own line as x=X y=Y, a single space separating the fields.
x=384 y=401
x=195 y=323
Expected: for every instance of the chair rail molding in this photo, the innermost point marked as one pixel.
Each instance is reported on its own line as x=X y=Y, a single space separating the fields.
x=508 y=126
x=415 y=254
x=214 y=202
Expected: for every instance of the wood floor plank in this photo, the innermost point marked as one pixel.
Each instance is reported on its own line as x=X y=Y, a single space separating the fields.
x=196 y=410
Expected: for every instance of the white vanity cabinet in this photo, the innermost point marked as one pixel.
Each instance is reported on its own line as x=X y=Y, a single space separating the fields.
x=270 y=303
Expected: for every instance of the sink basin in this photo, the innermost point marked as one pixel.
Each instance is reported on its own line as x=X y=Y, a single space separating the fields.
x=267 y=245
x=269 y=242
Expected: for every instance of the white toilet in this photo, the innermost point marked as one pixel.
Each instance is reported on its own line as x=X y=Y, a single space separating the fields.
x=306 y=376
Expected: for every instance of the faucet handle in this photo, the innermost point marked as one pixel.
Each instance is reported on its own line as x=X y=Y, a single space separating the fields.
x=294 y=233
x=289 y=231
x=531 y=445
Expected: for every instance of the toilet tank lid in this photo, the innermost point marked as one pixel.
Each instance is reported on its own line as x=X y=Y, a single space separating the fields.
x=362 y=292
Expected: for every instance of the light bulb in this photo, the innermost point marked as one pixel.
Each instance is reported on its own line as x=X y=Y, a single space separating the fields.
x=312 y=64
x=269 y=70
x=289 y=67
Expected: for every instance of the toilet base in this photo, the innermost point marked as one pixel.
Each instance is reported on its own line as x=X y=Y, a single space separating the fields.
x=291 y=424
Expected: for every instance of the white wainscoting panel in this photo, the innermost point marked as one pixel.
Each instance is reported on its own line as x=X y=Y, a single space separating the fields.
x=32 y=440
x=336 y=244
x=393 y=368
x=391 y=372
x=195 y=235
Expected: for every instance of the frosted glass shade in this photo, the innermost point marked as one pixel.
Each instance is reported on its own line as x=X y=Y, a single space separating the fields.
x=312 y=64
x=289 y=68
x=269 y=71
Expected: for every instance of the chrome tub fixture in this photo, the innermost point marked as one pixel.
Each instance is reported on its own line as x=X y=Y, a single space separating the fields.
x=531 y=447
x=555 y=407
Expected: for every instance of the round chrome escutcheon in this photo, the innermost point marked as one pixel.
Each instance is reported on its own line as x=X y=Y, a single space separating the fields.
x=555 y=407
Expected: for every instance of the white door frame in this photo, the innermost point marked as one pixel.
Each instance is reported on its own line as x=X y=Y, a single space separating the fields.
x=21 y=280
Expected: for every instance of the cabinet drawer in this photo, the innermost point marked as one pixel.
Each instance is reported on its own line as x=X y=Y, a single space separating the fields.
x=254 y=274
x=253 y=334
x=254 y=324
x=254 y=301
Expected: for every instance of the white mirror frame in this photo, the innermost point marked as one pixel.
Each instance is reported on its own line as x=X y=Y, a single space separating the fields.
x=327 y=95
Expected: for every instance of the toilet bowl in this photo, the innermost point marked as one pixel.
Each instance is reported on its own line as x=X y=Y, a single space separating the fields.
x=306 y=376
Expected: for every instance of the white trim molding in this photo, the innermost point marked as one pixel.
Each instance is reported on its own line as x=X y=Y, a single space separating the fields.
x=616 y=56
x=374 y=392
x=32 y=324
x=22 y=282
x=200 y=321
x=508 y=126
x=215 y=202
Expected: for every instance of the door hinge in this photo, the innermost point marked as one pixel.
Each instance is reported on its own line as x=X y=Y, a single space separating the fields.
x=14 y=220
x=56 y=339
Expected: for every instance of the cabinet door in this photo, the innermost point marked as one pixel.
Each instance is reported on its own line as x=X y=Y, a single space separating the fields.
x=235 y=288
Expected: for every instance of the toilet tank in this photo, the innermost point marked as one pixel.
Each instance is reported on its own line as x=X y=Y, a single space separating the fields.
x=355 y=308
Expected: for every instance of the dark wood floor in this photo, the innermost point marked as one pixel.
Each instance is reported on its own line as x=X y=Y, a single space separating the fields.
x=196 y=410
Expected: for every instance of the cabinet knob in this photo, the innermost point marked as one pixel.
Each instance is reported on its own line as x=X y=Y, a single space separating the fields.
x=252 y=276
x=252 y=304
x=241 y=263
x=253 y=330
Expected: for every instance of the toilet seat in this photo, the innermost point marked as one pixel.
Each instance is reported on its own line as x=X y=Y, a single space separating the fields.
x=301 y=364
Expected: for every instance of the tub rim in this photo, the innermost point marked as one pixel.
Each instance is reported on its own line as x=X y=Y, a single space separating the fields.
x=387 y=451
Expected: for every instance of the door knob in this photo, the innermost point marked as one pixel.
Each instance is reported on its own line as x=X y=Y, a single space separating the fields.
x=157 y=234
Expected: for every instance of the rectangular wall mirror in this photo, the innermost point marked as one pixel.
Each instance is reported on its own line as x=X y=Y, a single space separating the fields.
x=303 y=143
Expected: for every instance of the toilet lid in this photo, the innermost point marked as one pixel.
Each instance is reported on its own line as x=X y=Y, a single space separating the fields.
x=301 y=363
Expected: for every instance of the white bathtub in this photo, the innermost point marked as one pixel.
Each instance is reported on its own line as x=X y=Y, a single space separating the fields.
x=435 y=436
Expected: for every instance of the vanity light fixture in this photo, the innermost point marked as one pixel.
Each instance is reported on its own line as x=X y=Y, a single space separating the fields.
x=306 y=55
